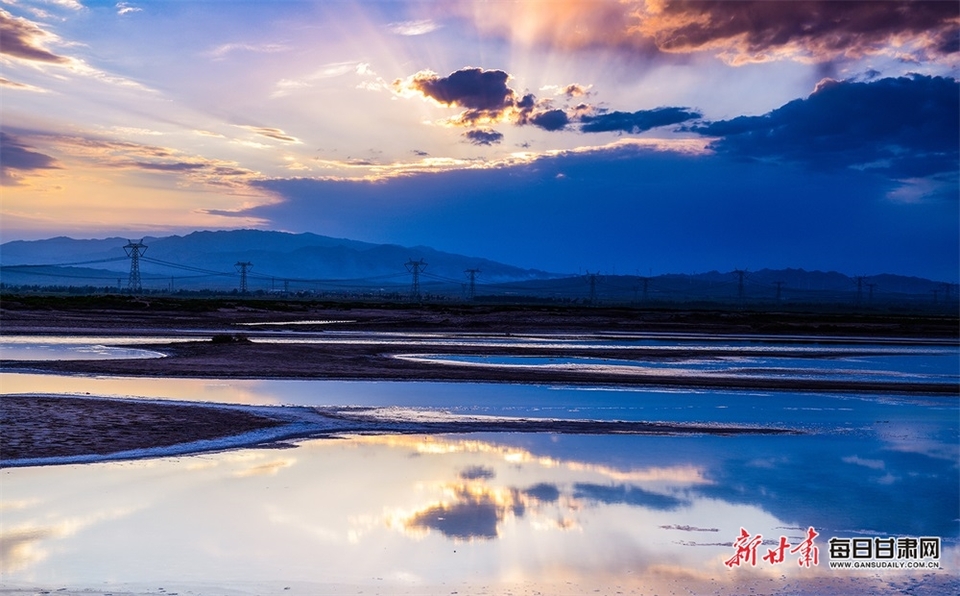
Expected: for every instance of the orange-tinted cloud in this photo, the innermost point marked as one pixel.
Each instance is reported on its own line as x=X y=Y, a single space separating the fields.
x=489 y=100
x=23 y=39
x=16 y=157
x=737 y=31
x=818 y=30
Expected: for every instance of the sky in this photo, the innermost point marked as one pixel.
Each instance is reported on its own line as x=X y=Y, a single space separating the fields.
x=613 y=136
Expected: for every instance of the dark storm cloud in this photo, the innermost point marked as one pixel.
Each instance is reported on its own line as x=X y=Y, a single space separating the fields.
x=483 y=136
x=471 y=88
x=736 y=31
x=487 y=97
x=550 y=120
x=823 y=30
x=636 y=122
x=699 y=212
x=16 y=156
x=905 y=127
x=23 y=39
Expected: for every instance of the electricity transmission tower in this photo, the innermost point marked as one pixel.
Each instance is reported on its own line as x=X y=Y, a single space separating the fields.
x=415 y=268
x=740 y=273
x=472 y=288
x=593 y=279
x=242 y=267
x=134 y=250
x=870 y=287
x=779 y=285
x=860 y=279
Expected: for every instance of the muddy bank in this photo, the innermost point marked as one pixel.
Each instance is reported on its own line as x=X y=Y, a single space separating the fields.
x=45 y=430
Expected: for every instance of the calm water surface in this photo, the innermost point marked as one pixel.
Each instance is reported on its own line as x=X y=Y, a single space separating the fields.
x=490 y=512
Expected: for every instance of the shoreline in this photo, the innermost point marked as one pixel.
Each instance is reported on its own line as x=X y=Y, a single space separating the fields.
x=49 y=429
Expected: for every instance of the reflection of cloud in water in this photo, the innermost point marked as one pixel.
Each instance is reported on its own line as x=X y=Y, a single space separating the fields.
x=470 y=509
x=627 y=495
x=477 y=472
x=543 y=492
x=875 y=464
x=474 y=516
x=475 y=511
x=438 y=445
x=21 y=546
x=267 y=468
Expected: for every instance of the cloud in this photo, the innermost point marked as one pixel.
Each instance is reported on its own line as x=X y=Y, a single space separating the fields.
x=24 y=40
x=737 y=32
x=85 y=151
x=550 y=120
x=125 y=8
x=222 y=51
x=636 y=122
x=14 y=155
x=327 y=71
x=483 y=136
x=689 y=202
x=413 y=28
x=484 y=93
x=820 y=30
x=488 y=99
x=71 y=4
x=906 y=127
x=272 y=133
x=20 y=86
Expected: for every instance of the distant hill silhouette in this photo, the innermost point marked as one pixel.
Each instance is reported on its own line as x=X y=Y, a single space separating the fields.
x=320 y=264
x=207 y=259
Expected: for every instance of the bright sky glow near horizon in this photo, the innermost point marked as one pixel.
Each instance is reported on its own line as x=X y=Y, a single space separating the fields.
x=633 y=136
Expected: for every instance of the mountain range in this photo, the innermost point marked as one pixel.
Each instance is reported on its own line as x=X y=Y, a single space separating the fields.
x=279 y=261
x=209 y=259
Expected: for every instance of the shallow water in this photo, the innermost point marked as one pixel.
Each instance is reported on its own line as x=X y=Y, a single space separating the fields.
x=409 y=511
x=492 y=512
x=908 y=366
x=79 y=347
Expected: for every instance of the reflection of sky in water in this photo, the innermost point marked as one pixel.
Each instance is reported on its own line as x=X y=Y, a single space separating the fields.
x=62 y=352
x=409 y=510
x=940 y=366
x=615 y=512
x=81 y=347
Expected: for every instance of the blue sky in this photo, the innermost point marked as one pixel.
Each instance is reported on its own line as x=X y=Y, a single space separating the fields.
x=628 y=137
